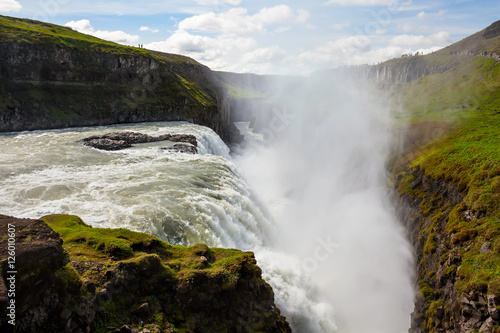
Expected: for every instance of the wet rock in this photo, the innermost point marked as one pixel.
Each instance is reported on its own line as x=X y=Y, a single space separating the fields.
x=38 y=253
x=181 y=148
x=107 y=144
x=123 y=329
x=203 y=300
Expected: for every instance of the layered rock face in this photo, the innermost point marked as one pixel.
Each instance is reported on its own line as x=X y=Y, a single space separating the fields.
x=120 y=281
x=54 y=77
x=51 y=86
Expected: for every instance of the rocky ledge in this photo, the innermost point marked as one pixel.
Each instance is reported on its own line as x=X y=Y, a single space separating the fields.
x=71 y=277
x=122 y=140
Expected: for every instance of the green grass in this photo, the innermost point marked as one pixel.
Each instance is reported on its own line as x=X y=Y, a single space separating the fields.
x=113 y=245
x=451 y=96
x=94 y=252
x=35 y=32
x=195 y=92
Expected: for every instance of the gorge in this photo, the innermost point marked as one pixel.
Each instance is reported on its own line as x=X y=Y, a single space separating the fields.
x=350 y=217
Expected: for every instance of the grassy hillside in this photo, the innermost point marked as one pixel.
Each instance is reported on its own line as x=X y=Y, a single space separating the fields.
x=450 y=172
x=36 y=32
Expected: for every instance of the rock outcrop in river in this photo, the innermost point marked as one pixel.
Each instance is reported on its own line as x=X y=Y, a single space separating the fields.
x=83 y=279
x=122 y=140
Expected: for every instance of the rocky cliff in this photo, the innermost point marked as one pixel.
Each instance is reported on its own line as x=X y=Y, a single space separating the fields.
x=447 y=195
x=83 y=279
x=53 y=77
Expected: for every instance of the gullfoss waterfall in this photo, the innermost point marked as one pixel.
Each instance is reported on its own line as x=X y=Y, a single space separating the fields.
x=311 y=203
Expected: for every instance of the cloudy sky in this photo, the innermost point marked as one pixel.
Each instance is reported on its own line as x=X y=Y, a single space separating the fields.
x=273 y=36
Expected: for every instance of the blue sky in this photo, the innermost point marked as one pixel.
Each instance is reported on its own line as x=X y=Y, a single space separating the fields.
x=271 y=37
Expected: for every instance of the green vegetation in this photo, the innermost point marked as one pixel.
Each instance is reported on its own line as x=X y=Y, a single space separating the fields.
x=99 y=255
x=450 y=171
x=89 y=81
x=35 y=32
x=113 y=245
x=195 y=92
x=467 y=84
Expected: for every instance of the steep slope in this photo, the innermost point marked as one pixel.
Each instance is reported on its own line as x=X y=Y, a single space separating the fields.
x=484 y=43
x=70 y=277
x=52 y=76
x=446 y=183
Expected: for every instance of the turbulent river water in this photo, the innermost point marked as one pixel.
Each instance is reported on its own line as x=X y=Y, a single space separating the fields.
x=317 y=217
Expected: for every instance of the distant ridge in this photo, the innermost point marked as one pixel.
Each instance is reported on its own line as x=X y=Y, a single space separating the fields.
x=483 y=43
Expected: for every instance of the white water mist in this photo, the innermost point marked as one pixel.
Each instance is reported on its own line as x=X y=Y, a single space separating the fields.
x=322 y=174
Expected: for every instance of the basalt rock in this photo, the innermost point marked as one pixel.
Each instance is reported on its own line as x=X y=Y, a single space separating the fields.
x=122 y=140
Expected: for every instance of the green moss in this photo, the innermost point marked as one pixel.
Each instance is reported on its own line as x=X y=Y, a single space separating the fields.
x=83 y=240
x=432 y=315
x=195 y=92
x=425 y=289
x=430 y=244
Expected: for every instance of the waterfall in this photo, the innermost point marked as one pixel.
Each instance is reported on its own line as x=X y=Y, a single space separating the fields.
x=318 y=163
x=307 y=196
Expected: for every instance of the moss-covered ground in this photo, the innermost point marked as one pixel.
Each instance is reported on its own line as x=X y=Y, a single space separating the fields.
x=166 y=271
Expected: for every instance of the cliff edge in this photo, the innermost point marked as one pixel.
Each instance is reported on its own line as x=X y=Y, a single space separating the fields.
x=69 y=277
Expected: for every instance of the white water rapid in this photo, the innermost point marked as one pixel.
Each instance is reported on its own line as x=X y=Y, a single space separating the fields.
x=311 y=204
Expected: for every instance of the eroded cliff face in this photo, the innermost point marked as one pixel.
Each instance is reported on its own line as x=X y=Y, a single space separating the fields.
x=432 y=211
x=48 y=85
x=116 y=280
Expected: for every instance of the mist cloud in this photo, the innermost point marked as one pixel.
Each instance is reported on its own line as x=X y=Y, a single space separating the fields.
x=323 y=177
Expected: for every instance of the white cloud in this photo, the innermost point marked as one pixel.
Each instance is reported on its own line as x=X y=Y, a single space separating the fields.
x=265 y=55
x=224 y=52
x=218 y=2
x=118 y=36
x=362 y=2
x=143 y=28
x=206 y=49
x=7 y=6
x=421 y=15
x=439 y=39
x=237 y=22
x=337 y=52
